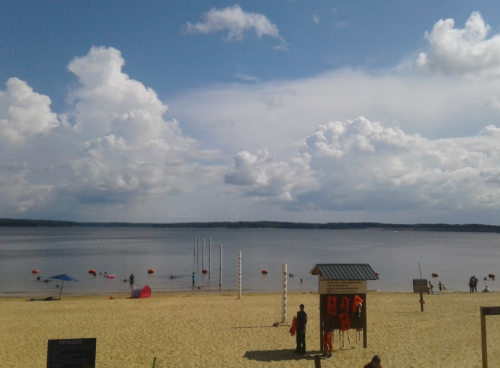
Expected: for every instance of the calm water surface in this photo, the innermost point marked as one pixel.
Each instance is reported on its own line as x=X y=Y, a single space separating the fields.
x=121 y=251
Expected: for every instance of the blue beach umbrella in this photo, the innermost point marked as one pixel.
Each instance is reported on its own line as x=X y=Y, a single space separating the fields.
x=62 y=277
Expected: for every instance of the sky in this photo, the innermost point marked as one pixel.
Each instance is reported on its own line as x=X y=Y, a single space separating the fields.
x=279 y=110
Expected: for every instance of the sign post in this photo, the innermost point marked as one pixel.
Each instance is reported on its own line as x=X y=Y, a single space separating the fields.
x=420 y=286
x=486 y=311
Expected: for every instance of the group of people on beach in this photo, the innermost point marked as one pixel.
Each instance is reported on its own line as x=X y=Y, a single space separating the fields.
x=473 y=285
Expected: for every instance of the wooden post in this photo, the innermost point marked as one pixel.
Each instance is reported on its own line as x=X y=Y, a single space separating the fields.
x=365 y=333
x=283 y=315
x=317 y=361
x=484 y=350
x=209 y=257
x=239 y=275
x=203 y=255
x=421 y=302
x=220 y=270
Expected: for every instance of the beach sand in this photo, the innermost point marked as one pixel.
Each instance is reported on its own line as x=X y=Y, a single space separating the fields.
x=218 y=330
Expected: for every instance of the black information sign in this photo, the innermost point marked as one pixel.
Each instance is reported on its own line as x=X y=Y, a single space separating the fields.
x=71 y=353
x=420 y=285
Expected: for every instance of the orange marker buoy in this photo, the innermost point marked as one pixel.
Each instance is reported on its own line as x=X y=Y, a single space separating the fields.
x=151 y=270
x=204 y=270
x=265 y=272
x=34 y=271
x=92 y=271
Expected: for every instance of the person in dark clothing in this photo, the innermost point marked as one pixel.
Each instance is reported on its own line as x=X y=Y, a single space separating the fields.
x=475 y=283
x=471 y=284
x=375 y=362
x=131 y=279
x=301 y=330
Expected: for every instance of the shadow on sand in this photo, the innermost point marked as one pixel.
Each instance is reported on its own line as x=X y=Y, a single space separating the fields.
x=277 y=355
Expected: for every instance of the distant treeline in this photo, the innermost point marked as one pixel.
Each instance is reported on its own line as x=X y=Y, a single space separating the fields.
x=259 y=225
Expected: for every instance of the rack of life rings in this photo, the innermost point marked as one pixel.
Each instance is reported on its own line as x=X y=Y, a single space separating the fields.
x=343 y=315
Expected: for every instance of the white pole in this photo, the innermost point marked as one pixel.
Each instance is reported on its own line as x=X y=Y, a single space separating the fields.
x=203 y=255
x=239 y=275
x=209 y=257
x=283 y=316
x=220 y=271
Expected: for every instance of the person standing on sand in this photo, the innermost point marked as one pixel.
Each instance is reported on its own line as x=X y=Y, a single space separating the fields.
x=327 y=338
x=475 y=283
x=471 y=284
x=301 y=330
x=375 y=363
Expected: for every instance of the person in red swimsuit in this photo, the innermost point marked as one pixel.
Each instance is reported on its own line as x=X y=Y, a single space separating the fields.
x=327 y=337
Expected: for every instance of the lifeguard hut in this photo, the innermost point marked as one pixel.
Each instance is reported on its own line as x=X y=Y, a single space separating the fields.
x=341 y=287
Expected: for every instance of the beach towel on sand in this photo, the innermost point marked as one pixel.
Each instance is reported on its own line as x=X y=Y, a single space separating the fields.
x=294 y=326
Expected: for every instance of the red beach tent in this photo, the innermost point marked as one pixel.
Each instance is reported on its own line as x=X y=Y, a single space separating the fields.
x=141 y=292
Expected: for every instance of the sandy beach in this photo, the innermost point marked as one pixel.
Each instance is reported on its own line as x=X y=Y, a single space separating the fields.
x=218 y=330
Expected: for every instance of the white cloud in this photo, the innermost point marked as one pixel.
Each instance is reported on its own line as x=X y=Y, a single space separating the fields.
x=465 y=51
x=236 y=22
x=277 y=114
x=24 y=113
x=361 y=165
x=261 y=175
x=114 y=150
x=315 y=18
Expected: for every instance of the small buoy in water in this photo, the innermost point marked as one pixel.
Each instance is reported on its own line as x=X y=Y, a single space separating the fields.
x=92 y=271
x=204 y=270
x=435 y=274
x=491 y=275
x=377 y=273
x=151 y=270
x=111 y=276
x=34 y=271
x=125 y=280
x=265 y=272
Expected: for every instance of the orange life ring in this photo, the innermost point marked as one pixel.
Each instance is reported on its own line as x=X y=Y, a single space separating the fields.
x=265 y=272
x=204 y=270
x=435 y=274
x=151 y=270
x=34 y=271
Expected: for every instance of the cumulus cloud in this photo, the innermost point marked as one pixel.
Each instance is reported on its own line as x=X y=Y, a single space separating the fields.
x=467 y=51
x=130 y=150
x=360 y=165
x=261 y=175
x=236 y=22
x=114 y=148
x=24 y=113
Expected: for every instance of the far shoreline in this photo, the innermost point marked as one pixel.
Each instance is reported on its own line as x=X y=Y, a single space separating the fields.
x=258 y=225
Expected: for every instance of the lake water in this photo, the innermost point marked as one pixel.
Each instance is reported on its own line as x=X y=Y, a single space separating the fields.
x=122 y=251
